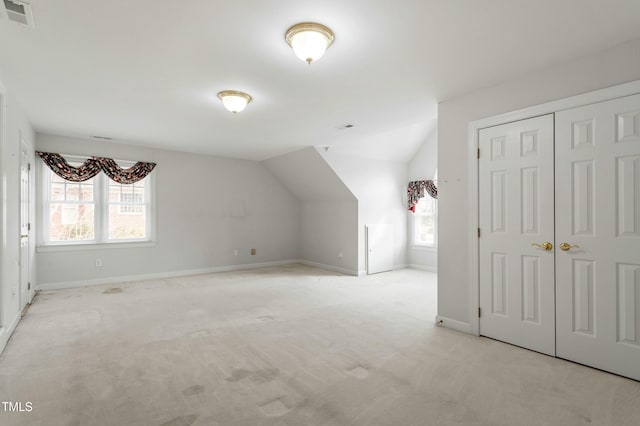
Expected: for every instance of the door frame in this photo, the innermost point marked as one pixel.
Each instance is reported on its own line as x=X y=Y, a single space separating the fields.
x=26 y=150
x=3 y=230
x=601 y=95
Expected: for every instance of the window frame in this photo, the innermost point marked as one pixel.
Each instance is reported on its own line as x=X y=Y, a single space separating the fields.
x=101 y=211
x=415 y=226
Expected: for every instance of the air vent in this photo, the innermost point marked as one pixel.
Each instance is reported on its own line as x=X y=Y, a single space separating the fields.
x=344 y=126
x=102 y=138
x=19 y=12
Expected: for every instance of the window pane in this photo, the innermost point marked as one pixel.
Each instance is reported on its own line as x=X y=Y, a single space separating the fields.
x=69 y=222
x=86 y=191
x=126 y=221
x=426 y=229
x=57 y=191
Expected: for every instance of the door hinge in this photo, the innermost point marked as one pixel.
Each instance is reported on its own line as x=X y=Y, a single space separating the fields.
x=29 y=286
x=29 y=167
x=479 y=312
x=28 y=227
x=478 y=152
x=478 y=232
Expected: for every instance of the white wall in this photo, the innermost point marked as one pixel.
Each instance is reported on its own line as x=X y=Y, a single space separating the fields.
x=15 y=126
x=423 y=166
x=329 y=210
x=380 y=187
x=329 y=234
x=195 y=228
x=613 y=66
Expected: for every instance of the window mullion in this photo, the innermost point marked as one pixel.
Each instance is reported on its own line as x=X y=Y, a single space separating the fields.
x=101 y=220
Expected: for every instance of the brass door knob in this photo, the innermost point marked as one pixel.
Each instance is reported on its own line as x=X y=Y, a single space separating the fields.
x=567 y=246
x=546 y=245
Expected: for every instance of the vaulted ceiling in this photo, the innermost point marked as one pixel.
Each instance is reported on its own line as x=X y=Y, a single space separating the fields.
x=148 y=70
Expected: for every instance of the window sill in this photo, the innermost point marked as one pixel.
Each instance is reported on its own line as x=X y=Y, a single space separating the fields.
x=424 y=247
x=91 y=246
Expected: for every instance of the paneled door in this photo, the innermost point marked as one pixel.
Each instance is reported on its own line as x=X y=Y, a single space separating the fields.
x=379 y=239
x=517 y=233
x=598 y=235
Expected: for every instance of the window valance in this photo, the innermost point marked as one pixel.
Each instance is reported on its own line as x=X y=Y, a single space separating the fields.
x=417 y=189
x=95 y=165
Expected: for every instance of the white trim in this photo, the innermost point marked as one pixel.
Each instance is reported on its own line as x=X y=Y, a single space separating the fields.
x=7 y=332
x=160 y=275
x=433 y=248
x=332 y=268
x=423 y=267
x=3 y=209
x=454 y=324
x=94 y=246
x=601 y=95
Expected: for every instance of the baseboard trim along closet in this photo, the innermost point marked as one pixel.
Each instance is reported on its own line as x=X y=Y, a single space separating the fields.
x=464 y=327
x=6 y=332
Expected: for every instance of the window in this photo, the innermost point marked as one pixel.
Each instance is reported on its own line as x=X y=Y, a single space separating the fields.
x=425 y=222
x=98 y=210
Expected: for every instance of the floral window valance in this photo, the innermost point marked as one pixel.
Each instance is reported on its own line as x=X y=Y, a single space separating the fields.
x=93 y=166
x=417 y=189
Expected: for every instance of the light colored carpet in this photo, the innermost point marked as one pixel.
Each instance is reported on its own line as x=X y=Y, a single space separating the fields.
x=285 y=346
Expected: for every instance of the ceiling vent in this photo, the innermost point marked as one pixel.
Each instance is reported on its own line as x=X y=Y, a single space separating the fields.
x=19 y=12
x=345 y=126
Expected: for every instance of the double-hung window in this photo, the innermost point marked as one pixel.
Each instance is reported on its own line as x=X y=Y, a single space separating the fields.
x=96 y=211
x=425 y=222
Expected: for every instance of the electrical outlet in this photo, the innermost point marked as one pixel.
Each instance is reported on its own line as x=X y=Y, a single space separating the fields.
x=253 y=252
x=98 y=263
x=235 y=252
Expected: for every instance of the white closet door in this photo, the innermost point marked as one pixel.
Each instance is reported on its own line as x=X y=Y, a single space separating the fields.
x=598 y=210
x=379 y=248
x=516 y=211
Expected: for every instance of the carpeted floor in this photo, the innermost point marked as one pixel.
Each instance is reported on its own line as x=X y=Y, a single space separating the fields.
x=287 y=345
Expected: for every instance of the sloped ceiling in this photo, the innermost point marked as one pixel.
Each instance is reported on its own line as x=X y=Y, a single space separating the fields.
x=149 y=70
x=308 y=176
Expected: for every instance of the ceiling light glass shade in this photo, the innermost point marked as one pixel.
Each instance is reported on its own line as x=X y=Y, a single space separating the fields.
x=309 y=40
x=234 y=100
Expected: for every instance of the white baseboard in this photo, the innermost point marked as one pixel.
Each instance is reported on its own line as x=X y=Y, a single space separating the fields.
x=330 y=267
x=464 y=327
x=424 y=267
x=6 y=332
x=400 y=266
x=160 y=275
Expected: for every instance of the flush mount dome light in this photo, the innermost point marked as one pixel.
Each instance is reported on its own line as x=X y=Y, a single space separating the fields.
x=309 y=40
x=234 y=100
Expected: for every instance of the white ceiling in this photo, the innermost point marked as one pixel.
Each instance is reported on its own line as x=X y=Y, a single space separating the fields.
x=149 y=70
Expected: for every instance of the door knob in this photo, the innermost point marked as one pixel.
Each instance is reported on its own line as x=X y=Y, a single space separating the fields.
x=24 y=236
x=567 y=246
x=546 y=245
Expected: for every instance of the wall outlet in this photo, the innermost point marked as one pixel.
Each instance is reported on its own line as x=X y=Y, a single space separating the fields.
x=253 y=252
x=98 y=263
x=235 y=252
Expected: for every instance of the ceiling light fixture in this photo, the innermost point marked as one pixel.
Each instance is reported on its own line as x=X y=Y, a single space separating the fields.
x=234 y=100
x=309 y=40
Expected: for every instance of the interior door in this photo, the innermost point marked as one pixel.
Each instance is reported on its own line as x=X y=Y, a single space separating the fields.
x=379 y=240
x=598 y=218
x=516 y=213
x=25 y=249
